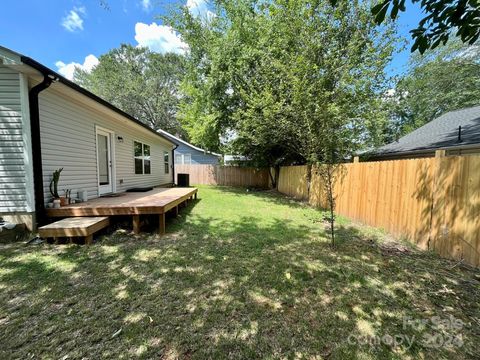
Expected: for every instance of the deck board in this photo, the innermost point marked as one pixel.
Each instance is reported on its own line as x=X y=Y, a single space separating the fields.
x=156 y=201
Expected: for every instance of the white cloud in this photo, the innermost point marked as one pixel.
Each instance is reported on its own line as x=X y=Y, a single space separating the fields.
x=146 y=5
x=199 y=8
x=159 y=38
x=73 y=21
x=68 y=70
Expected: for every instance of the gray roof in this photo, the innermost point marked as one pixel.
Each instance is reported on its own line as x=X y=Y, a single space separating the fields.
x=180 y=141
x=439 y=133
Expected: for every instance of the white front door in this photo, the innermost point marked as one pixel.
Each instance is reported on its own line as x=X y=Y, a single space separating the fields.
x=104 y=161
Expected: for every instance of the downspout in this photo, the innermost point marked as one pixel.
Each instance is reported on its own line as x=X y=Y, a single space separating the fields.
x=37 y=146
x=173 y=164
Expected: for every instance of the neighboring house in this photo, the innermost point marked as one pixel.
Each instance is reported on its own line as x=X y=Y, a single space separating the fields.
x=47 y=122
x=186 y=153
x=233 y=160
x=457 y=132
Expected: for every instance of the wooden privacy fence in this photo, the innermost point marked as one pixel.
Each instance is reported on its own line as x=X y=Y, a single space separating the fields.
x=433 y=202
x=225 y=175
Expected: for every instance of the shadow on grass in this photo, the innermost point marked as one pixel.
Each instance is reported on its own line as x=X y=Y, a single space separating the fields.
x=272 y=196
x=237 y=287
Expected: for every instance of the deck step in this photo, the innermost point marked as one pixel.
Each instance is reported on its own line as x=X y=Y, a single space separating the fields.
x=74 y=227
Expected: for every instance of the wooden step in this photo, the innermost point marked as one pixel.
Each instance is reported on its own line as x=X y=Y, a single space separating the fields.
x=74 y=227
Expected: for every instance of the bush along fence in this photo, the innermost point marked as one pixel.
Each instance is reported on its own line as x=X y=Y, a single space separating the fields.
x=432 y=202
x=225 y=175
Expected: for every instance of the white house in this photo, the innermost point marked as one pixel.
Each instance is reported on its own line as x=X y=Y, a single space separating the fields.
x=48 y=122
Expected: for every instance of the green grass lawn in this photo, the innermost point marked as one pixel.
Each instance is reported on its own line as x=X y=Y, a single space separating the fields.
x=239 y=275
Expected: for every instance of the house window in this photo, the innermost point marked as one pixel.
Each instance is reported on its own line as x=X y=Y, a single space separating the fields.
x=178 y=159
x=142 y=158
x=166 y=162
x=181 y=159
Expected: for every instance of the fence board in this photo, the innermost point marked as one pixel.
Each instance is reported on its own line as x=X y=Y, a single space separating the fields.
x=292 y=181
x=433 y=202
x=225 y=175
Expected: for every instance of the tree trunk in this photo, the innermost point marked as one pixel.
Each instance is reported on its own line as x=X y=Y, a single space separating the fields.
x=277 y=174
x=274 y=177
x=331 y=201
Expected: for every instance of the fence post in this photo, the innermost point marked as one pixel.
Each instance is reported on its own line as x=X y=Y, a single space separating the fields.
x=356 y=159
x=440 y=154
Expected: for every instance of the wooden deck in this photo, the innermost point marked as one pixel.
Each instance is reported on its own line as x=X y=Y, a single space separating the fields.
x=74 y=227
x=155 y=202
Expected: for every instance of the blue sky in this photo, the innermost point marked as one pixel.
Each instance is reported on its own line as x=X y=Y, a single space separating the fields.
x=63 y=34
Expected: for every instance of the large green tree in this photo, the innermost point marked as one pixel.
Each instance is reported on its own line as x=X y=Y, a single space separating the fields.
x=284 y=76
x=442 y=80
x=140 y=82
x=293 y=80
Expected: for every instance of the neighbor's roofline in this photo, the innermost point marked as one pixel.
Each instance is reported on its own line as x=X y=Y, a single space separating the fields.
x=188 y=144
x=425 y=149
x=45 y=70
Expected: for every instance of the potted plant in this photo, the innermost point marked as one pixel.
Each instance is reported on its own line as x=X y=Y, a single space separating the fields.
x=54 y=186
x=68 y=196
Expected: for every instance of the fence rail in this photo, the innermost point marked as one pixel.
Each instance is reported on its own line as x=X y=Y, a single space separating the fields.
x=433 y=202
x=225 y=175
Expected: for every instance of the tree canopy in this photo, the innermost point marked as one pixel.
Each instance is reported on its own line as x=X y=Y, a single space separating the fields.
x=140 y=82
x=292 y=80
x=442 y=19
x=440 y=81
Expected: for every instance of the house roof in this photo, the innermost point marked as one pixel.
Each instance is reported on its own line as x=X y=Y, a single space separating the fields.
x=440 y=133
x=229 y=158
x=53 y=74
x=180 y=141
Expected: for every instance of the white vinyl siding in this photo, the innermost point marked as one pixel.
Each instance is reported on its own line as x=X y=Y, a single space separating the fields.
x=13 y=176
x=68 y=141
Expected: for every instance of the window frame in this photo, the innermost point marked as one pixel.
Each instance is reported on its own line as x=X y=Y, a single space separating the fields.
x=143 y=157
x=166 y=164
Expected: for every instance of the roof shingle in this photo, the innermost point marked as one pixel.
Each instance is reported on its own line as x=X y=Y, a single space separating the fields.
x=441 y=132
